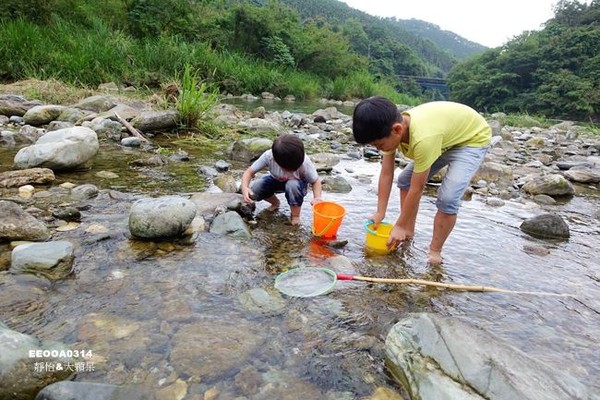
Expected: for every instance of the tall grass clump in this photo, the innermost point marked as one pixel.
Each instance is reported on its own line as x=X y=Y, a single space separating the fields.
x=357 y=85
x=195 y=98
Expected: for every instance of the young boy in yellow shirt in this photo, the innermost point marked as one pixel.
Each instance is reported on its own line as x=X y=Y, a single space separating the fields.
x=432 y=135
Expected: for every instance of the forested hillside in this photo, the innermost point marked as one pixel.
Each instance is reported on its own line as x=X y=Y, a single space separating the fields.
x=380 y=39
x=553 y=72
x=307 y=48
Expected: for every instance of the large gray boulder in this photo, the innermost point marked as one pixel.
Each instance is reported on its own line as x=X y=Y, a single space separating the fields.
x=161 y=218
x=61 y=149
x=437 y=357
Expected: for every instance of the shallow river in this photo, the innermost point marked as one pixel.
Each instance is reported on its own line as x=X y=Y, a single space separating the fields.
x=136 y=304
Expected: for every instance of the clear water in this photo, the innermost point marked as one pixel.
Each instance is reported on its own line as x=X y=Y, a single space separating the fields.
x=138 y=306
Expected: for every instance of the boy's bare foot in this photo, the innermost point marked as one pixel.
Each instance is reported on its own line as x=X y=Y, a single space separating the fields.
x=295 y=220
x=435 y=257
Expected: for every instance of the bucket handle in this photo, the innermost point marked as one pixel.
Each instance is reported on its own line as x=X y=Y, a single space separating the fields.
x=371 y=231
x=324 y=230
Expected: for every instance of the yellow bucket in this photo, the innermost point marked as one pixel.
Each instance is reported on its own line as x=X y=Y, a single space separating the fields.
x=327 y=218
x=377 y=239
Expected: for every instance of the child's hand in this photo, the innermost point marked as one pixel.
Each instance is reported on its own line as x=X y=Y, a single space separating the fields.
x=248 y=195
x=377 y=218
x=315 y=201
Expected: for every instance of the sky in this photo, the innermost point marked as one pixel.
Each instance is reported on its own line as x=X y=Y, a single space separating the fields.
x=491 y=23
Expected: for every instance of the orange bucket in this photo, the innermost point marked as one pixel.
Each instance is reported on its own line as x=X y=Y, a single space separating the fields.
x=327 y=218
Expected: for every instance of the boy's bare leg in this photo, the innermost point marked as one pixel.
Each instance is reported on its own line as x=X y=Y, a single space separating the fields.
x=295 y=214
x=442 y=226
x=274 y=201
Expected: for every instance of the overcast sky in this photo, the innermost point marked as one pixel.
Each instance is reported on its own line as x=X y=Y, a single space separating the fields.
x=488 y=22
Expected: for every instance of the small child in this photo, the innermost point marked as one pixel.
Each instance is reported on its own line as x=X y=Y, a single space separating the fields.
x=290 y=172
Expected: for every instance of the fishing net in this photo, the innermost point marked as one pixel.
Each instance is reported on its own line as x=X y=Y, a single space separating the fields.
x=305 y=282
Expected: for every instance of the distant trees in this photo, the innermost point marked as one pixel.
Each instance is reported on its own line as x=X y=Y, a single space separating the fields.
x=553 y=72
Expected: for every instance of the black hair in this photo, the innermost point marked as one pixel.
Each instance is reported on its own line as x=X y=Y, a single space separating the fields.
x=288 y=152
x=373 y=119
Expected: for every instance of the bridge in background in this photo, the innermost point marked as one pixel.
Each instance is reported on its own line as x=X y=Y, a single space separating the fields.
x=441 y=85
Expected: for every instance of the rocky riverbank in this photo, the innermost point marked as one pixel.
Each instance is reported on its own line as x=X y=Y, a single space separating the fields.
x=45 y=224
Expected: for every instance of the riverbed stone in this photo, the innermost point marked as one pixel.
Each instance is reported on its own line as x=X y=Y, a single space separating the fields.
x=161 y=218
x=38 y=176
x=22 y=376
x=53 y=260
x=62 y=149
x=68 y=390
x=210 y=348
x=260 y=301
x=437 y=357
x=43 y=114
x=12 y=105
x=546 y=226
x=249 y=149
x=552 y=185
x=583 y=175
x=17 y=224
x=149 y=121
x=230 y=223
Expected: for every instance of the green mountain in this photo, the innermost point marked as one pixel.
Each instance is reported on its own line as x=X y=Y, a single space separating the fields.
x=437 y=49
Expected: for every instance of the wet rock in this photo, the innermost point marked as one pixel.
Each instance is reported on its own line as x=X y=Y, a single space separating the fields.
x=249 y=149
x=210 y=348
x=324 y=161
x=13 y=105
x=41 y=115
x=84 y=192
x=544 y=199
x=546 y=226
x=56 y=125
x=437 y=357
x=97 y=103
x=260 y=126
x=551 y=185
x=53 y=260
x=583 y=175
x=148 y=121
x=23 y=376
x=208 y=203
x=68 y=390
x=160 y=218
x=67 y=214
x=105 y=127
x=222 y=166
x=260 y=301
x=131 y=142
x=226 y=182
x=16 y=224
x=62 y=149
x=28 y=176
x=330 y=113
x=230 y=223
x=336 y=184
x=154 y=161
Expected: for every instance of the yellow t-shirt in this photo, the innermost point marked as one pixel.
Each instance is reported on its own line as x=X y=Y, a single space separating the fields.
x=440 y=125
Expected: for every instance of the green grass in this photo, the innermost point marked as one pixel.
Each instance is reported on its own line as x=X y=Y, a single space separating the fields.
x=86 y=56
